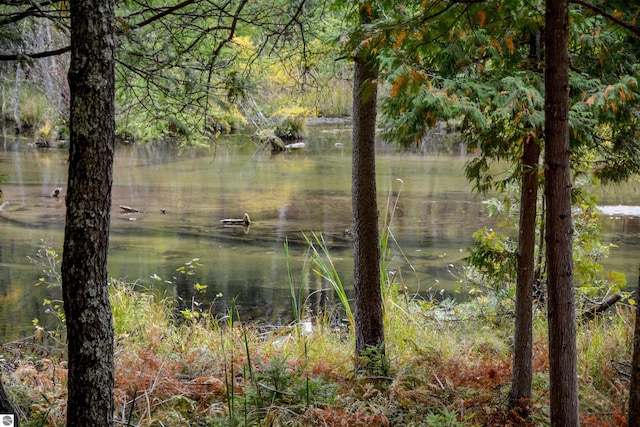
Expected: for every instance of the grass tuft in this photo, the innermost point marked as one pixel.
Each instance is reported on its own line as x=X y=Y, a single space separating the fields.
x=443 y=370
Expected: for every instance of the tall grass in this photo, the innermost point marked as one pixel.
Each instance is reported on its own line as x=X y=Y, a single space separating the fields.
x=296 y=291
x=391 y=279
x=325 y=267
x=321 y=258
x=220 y=372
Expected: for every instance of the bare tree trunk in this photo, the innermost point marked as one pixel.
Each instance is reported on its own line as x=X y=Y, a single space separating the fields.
x=368 y=295
x=634 y=387
x=561 y=305
x=16 y=98
x=520 y=395
x=86 y=240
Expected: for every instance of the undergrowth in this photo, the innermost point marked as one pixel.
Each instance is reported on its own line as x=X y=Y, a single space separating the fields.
x=447 y=369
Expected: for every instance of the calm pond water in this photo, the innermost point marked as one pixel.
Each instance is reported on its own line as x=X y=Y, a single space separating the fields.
x=285 y=195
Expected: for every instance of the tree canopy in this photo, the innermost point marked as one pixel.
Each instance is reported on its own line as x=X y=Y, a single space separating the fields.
x=187 y=69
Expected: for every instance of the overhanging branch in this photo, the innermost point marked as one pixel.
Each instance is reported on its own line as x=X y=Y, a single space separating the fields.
x=633 y=28
x=38 y=55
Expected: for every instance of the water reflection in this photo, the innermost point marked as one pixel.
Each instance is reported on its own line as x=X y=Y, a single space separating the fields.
x=182 y=195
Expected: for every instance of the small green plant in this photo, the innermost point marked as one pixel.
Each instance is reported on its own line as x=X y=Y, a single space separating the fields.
x=47 y=259
x=281 y=383
x=493 y=261
x=375 y=361
x=446 y=418
x=194 y=311
x=290 y=128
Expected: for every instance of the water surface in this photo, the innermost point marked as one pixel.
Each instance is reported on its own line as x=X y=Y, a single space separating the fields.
x=183 y=194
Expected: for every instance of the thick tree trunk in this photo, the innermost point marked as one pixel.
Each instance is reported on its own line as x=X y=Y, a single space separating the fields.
x=634 y=387
x=561 y=311
x=368 y=296
x=84 y=263
x=520 y=395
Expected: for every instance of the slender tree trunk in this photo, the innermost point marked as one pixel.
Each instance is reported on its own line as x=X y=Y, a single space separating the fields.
x=520 y=395
x=84 y=263
x=561 y=311
x=634 y=387
x=16 y=99
x=521 y=380
x=368 y=296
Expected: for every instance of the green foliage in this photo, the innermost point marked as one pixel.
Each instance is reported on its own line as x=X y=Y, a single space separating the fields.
x=493 y=256
x=297 y=295
x=486 y=71
x=446 y=370
x=3 y=180
x=375 y=360
x=194 y=312
x=134 y=308
x=290 y=123
x=590 y=277
x=193 y=70
x=492 y=261
x=446 y=418
x=211 y=68
x=34 y=110
x=321 y=258
x=47 y=259
x=280 y=383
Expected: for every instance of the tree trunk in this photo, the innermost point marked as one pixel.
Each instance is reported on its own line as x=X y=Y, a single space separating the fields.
x=84 y=263
x=16 y=99
x=634 y=387
x=520 y=395
x=368 y=296
x=521 y=379
x=561 y=311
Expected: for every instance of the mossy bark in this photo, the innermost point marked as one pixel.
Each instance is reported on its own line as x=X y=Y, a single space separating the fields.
x=366 y=246
x=86 y=241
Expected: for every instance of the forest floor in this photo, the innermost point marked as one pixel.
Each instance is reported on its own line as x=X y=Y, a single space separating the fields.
x=448 y=365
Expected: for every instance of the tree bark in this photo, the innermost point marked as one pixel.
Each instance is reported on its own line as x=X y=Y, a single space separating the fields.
x=88 y=201
x=559 y=251
x=368 y=296
x=634 y=387
x=520 y=395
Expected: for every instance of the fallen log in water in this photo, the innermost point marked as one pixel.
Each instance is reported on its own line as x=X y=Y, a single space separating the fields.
x=600 y=307
x=129 y=209
x=245 y=220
